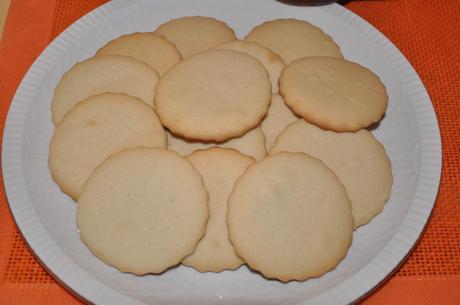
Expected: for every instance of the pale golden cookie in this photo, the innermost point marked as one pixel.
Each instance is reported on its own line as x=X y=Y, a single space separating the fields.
x=143 y=210
x=154 y=50
x=279 y=116
x=271 y=61
x=194 y=34
x=333 y=93
x=293 y=39
x=213 y=96
x=251 y=144
x=290 y=218
x=219 y=167
x=102 y=74
x=358 y=159
x=95 y=129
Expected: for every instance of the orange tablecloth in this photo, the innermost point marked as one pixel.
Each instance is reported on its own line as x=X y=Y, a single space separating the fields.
x=427 y=32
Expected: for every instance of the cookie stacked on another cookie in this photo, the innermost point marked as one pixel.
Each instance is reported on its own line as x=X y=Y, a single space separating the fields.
x=162 y=140
x=214 y=95
x=358 y=159
x=206 y=101
x=290 y=218
x=143 y=210
x=334 y=94
x=95 y=129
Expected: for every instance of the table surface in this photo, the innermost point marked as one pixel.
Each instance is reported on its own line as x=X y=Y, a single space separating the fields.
x=428 y=34
x=4 y=5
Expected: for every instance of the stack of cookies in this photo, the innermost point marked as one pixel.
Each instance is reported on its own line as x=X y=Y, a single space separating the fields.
x=186 y=145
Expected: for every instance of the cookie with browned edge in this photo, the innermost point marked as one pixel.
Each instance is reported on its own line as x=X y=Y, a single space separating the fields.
x=290 y=218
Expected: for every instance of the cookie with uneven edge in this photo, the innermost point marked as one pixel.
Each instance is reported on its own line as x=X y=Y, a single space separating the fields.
x=195 y=34
x=95 y=129
x=293 y=39
x=271 y=61
x=207 y=96
x=289 y=217
x=154 y=50
x=219 y=167
x=251 y=144
x=358 y=159
x=279 y=116
x=97 y=75
x=334 y=94
x=143 y=210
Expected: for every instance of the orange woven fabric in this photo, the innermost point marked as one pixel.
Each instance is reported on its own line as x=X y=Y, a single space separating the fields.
x=427 y=32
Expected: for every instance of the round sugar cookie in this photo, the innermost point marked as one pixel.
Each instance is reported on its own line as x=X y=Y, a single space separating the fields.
x=95 y=129
x=290 y=218
x=358 y=159
x=251 y=144
x=194 y=34
x=279 y=116
x=143 y=210
x=154 y=50
x=213 y=96
x=114 y=73
x=219 y=167
x=333 y=93
x=271 y=61
x=293 y=39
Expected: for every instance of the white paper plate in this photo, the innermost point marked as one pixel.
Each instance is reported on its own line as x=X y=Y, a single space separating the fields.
x=46 y=217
